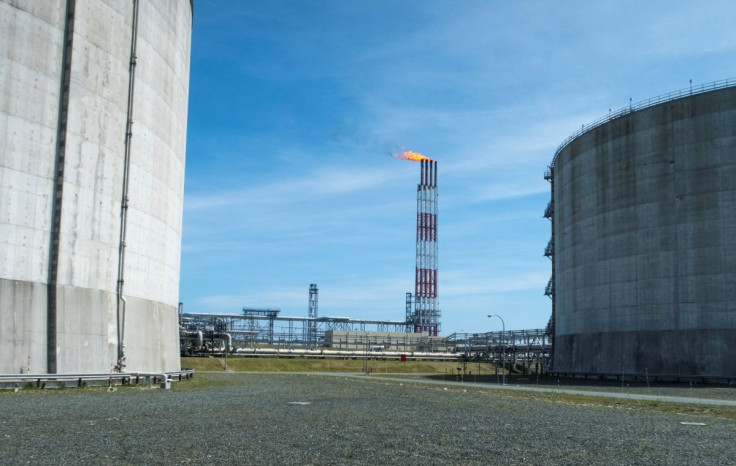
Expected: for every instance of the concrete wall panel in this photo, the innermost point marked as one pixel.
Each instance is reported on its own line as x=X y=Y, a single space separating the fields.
x=31 y=36
x=22 y=327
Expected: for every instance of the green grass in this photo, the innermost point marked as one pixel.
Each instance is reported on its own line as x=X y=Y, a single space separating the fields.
x=725 y=412
x=376 y=366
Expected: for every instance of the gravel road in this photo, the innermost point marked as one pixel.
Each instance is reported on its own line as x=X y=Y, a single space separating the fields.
x=299 y=419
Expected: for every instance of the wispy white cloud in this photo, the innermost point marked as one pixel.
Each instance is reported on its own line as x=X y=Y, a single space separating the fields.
x=463 y=283
x=326 y=182
x=376 y=298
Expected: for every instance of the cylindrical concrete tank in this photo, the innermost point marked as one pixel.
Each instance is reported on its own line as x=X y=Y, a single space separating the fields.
x=644 y=230
x=93 y=98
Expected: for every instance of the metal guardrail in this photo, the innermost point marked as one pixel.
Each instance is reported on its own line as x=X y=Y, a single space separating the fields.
x=10 y=381
x=692 y=90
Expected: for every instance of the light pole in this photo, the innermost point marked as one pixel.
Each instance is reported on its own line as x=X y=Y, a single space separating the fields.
x=503 y=335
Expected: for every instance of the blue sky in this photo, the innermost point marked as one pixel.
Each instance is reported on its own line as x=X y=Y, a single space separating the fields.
x=296 y=105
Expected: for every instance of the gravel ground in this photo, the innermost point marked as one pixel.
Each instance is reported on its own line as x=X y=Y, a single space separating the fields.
x=253 y=419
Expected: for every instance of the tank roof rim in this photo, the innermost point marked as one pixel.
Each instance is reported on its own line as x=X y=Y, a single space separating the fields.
x=642 y=105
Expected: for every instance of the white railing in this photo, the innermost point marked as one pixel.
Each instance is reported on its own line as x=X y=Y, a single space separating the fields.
x=692 y=90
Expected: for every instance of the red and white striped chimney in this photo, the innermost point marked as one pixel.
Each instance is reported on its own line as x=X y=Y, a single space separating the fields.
x=426 y=308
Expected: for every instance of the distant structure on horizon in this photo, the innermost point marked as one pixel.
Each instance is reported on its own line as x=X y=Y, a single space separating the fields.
x=425 y=316
x=93 y=105
x=643 y=243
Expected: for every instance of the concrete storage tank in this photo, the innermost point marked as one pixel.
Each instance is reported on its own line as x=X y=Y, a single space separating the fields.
x=93 y=108
x=644 y=240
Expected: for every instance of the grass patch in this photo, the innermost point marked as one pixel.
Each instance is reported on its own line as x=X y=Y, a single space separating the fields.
x=376 y=366
x=205 y=380
x=664 y=407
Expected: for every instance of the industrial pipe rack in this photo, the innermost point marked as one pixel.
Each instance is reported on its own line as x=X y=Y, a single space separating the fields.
x=266 y=327
x=523 y=351
x=257 y=333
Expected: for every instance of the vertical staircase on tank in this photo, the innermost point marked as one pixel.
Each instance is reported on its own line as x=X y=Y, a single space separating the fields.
x=549 y=251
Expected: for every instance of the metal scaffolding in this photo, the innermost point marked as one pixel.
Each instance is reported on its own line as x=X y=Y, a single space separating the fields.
x=265 y=327
x=312 y=314
x=409 y=313
x=522 y=351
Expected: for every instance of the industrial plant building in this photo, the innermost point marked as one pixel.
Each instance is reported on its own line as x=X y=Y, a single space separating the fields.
x=93 y=113
x=384 y=341
x=643 y=244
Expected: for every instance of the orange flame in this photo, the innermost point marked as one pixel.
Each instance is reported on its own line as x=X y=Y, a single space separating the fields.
x=413 y=156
